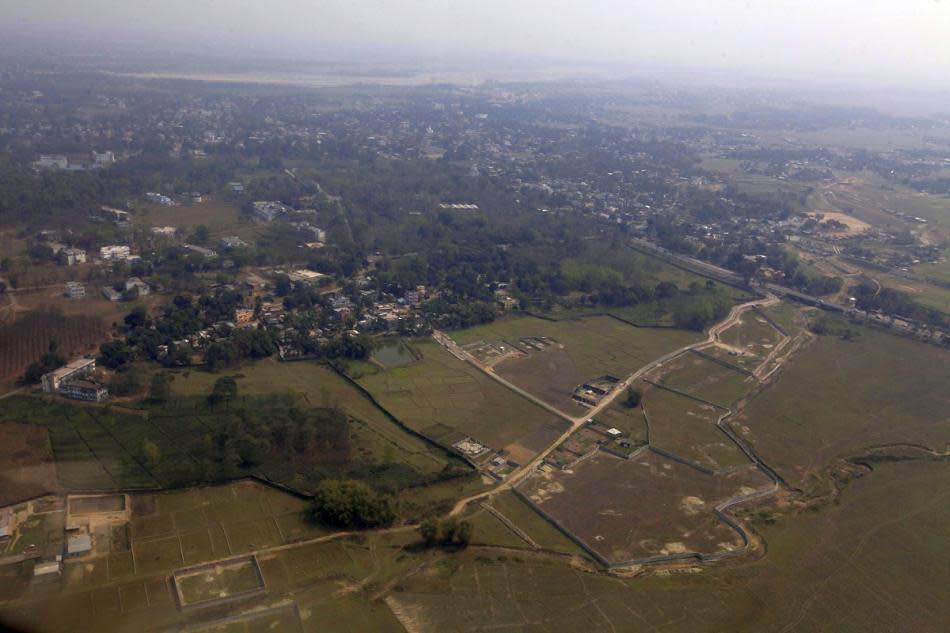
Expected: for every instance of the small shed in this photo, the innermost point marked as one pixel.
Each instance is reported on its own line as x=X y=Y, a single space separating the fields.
x=78 y=544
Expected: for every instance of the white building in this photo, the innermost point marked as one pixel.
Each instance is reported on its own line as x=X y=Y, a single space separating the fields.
x=115 y=252
x=103 y=158
x=51 y=161
x=73 y=256
x=134 y=283
x=157 y=198
x=71 y=371
x=269 y=210
x=75 y=290
x=168 y=231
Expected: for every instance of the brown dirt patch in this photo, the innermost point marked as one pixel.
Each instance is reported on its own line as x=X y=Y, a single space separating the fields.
x=26 y=463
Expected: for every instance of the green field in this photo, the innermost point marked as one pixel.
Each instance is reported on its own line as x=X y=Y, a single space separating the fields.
x=585 y=349
x=130 y=591
x=100 y=447
x=219 y=581
x=318 y=386
x=448 y=399
x=705 y=379
x=837 y=397
x=848 y=569
x=687 y=428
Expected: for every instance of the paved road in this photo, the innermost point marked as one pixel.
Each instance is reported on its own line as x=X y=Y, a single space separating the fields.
x=577 y=422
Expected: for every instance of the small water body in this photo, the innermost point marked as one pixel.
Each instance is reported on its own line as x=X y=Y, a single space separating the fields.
x=393 y=353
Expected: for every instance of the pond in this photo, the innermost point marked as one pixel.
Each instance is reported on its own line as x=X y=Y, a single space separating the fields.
x=393 y=353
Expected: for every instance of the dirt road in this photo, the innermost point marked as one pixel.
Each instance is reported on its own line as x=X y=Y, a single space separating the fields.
x=516 y=476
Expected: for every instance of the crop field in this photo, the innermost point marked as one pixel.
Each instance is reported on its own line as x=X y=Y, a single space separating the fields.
x=218 y=581
x=26 y=462
x=703 y=378
x=642 y=507
x=586 y=348
x=447 y=399
x=847 y=568
x=839 y=397
x=687 y=428
x=26 y=339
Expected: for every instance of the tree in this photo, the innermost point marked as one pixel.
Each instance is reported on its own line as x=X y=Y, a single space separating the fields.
x=633 y=398
x=202 y=234
x=151 y=454
x=225 y=390
x=161 y=387
x=127 y=381
x=429 y=531
x=115 y=354
x=449 y=533
x=136 y=318
x=351 y=504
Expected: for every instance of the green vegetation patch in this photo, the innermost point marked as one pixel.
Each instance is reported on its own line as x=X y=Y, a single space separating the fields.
x=687 y=428
x=583 y=349
x=840 y=396
x=440 y=389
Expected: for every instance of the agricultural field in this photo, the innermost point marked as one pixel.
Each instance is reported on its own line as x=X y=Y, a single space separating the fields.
x=687 y=428
x=637 y=508
x=585 y=349
x=101 y=447
x=219 y=581
x=846 y=568
x=28 y=337
x=26 y=462
x=128 y=589
x=448 y=400
x=838 y=397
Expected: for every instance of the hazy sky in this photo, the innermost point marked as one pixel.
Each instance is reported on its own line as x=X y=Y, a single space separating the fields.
x=897 y=38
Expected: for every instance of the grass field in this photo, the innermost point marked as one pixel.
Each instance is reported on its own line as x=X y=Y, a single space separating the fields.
x=26 y=462
x=838 y=397
x=534 y=525
x=877 y=561
x=700 y=377
x=217 y=215
x=25 y=340
x=318 y=386
x=218 y=581
x=642 y=507
x=752 y=334
x=130 y=590
x=586 y=348
x=448 y=400
x=687 y=428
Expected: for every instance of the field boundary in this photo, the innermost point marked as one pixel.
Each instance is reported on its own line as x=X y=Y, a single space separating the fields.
x=723 y=363
x=685 y=394
x=207 y=602
x=402 y=425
